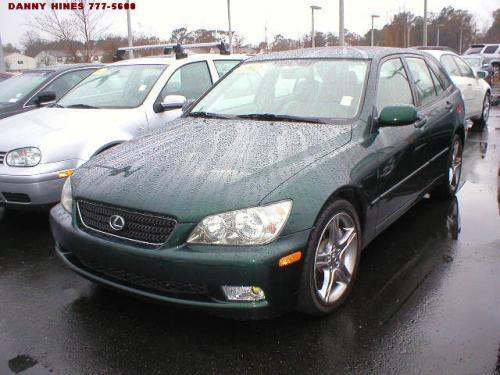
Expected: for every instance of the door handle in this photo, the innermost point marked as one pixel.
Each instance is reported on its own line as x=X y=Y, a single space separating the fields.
x=420 y=123
x=469 y=84
x=449 y=105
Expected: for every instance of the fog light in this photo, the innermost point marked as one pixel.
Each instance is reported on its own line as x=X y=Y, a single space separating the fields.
x=243 y=293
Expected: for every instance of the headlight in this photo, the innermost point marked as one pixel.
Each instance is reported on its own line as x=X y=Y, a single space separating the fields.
x=24 y=157
x=67 y=196
x=250 y=226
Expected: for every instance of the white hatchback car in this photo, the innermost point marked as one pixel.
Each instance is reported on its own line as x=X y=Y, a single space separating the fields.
x=40 y=149
x=476 y=92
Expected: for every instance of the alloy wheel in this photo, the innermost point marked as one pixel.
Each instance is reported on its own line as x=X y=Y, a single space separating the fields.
x=455 y=169
x=336 y=257
x=486 y=108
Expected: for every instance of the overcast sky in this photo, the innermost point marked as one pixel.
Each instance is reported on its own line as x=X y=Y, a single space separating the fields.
x=291 y=18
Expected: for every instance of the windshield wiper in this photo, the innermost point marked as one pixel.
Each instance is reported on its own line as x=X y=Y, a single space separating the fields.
x=55 y=105
x=209 y=115
x=82 y=106
x=273 y=117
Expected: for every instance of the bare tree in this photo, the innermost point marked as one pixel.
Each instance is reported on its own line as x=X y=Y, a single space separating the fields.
x=78 y=29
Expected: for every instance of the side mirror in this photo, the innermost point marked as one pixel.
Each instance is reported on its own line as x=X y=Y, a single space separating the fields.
x=187 y=104
x=482 y=74
x=170 y=102
x=398 y=115
x=44 y=98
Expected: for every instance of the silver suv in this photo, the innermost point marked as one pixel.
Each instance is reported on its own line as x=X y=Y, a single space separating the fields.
x=490 y=53
x=40 y=149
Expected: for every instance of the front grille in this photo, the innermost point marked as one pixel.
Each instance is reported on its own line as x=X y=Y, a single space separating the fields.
x=2 y=157
x=16 y=197
x=171 y=288
x=140 y=227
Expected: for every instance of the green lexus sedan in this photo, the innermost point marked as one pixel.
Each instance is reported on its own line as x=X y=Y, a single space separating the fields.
x=262 y=196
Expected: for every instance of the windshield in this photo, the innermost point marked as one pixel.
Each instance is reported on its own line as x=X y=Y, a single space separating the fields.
x=123 y=86
x=473 y=61
x=17 y=88
x=473 y=50
x=294 y=89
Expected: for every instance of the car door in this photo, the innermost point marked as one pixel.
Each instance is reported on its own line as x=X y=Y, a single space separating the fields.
x=401 y=150
x=463 y=83
x=191 y=81
x=441 y=116
x=474 y=85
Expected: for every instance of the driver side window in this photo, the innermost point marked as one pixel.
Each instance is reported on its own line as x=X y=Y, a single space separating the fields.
x=190 y=81
x=393 y=85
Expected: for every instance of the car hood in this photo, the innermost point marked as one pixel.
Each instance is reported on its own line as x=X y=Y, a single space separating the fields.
x=195 y=167
x=8 y=109
x=58 y=132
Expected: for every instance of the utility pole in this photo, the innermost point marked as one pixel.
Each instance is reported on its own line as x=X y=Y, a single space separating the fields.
x=313 y=8
x=373 y=17
x=341 y=23
x=460 y=42
x=230 y=29
x=266 y=40
x=437 y=35
x=129 y=29
x=424 y=37
x=408 y=39
x=2 y=59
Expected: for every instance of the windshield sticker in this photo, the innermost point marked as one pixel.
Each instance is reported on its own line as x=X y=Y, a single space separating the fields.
x=346 y=101
x=99 y=72
x=13 y=100
x=143 y=87
x=247 y=68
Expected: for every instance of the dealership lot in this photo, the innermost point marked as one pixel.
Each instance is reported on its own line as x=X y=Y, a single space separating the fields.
x=424 y=303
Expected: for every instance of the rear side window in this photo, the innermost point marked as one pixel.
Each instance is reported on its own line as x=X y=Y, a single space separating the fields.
x=440 y=73
x=190 y=81
x=465 y=69
x=491 y=49
x=450 y=65
x=422 y=79
x=437 y=84
x=224 y=66
x=393 y=85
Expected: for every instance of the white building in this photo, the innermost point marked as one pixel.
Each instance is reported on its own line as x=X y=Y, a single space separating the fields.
x=48 y=58
x=54 y=57
x=17 y=62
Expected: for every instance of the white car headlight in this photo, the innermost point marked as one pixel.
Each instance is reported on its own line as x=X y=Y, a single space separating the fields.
x=24 y=157
x=67 y=196
x=250 y=226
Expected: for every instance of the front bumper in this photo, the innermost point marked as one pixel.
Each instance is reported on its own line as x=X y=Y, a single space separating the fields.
x=34 y=189
x=138 y=271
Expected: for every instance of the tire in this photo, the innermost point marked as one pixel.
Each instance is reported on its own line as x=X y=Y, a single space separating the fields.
x=485 y=114
x=339 y=263
x=448 y=188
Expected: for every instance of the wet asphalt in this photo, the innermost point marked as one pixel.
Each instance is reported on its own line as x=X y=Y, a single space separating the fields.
x=427 y=301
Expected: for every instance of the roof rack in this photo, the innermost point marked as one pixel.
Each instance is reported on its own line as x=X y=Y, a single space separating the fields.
x=169 y=47
x=438 y=48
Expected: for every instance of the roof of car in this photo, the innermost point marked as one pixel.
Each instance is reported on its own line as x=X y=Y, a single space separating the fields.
x=170 y=59
x=364 y=53
x=437 y=53
x=62 y=68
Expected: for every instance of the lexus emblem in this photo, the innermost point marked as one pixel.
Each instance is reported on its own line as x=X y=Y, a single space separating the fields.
x=116 y=222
